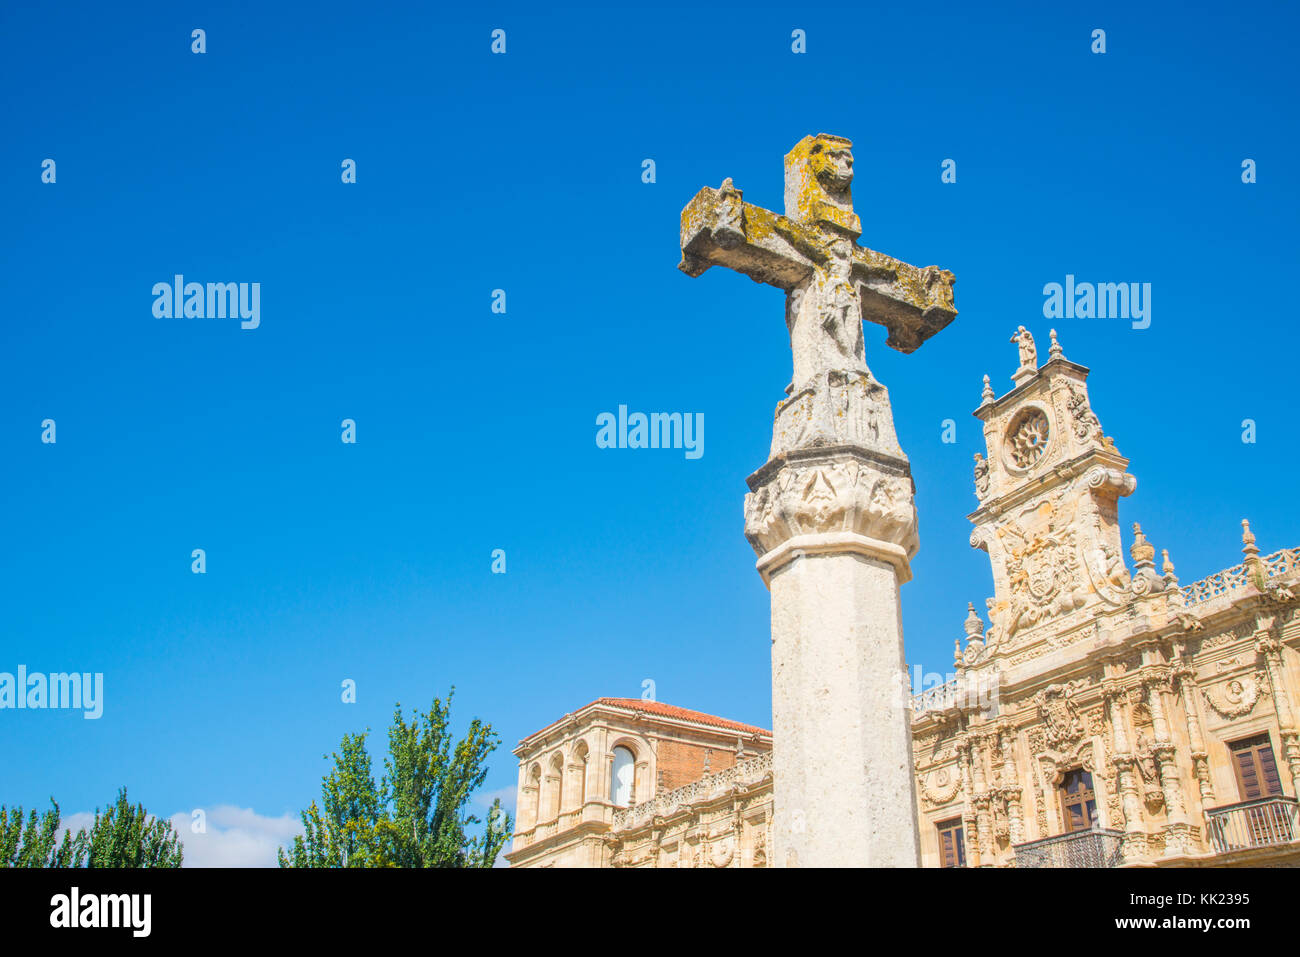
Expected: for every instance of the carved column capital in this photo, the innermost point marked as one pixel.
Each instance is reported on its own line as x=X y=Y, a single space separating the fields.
x=831 y=500
x=1114 y=687
x=1266 y=644
x=1157 y=677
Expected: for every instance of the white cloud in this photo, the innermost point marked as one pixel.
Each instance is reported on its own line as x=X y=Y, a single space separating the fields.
x=235 y=837
x=75 y=822
x=240 y=837
x=507 y=795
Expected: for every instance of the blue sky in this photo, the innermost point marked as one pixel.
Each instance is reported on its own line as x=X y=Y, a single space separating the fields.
x=475 y=431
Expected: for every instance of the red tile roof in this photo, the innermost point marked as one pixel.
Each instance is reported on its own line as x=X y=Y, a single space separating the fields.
x=686 y=714
x=666 y=711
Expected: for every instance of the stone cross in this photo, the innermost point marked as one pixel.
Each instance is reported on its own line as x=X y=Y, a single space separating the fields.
x=811 y=252
x=831 y=514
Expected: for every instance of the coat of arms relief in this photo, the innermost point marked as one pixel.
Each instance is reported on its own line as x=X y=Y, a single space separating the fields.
x=1056 y=555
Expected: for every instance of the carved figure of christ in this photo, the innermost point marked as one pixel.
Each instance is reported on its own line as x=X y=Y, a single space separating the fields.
x=831 y=283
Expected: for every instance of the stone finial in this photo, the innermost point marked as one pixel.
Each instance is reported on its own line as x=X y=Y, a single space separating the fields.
x=987 y=396
x=974 y=626
x=1170 y=579
x=1143 y=552
x=1248 y=539
x=1254 y=565
x=957 y=660
x=1055 y=352
x=1175 y=594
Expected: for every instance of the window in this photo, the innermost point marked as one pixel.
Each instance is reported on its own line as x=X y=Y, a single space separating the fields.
x=1078 y=804
x=620 y=788
x=952 y=846
x=1252 y=759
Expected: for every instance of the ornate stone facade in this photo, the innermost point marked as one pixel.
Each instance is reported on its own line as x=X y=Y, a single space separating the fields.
x=699 y=791
x=1170 y=706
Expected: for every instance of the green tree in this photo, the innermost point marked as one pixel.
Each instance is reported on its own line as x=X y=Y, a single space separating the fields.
x=416 y=816
x=122 y=836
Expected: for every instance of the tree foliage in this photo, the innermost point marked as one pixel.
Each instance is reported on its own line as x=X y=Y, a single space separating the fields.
x=121 y=836
x=416 y=816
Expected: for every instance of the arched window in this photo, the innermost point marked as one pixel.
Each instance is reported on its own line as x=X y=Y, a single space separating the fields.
x=620 y=786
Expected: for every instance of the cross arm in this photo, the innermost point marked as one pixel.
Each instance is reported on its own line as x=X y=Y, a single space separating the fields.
x=912 y=303
x=720 y=229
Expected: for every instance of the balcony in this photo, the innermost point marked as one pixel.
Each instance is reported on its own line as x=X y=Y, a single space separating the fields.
x=1266 y=822
x=1096 y=848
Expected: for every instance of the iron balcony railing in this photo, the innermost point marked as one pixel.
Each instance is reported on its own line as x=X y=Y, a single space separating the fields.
x=1265 y=822
x=1095 y=848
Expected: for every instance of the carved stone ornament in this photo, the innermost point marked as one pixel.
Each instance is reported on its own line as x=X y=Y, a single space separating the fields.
x=1063 y=725
x=1027 y=438
x=723 y=852
x=1042 y=569
x=844 y=495
x=1236 y=697
x=981 y=476
x=939 y=787
x=1085 y=420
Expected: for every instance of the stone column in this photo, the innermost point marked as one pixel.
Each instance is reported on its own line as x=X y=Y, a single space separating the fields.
x=574 y=779
x=526 y=811
x=1011 y=783
x=831 y=513
x=1185 y=675
x=1123 y=760
x=1177 y=829
x=835 y=529
x=981 y=799
x=970 y=825
x=1270 y=649
x=552 y=786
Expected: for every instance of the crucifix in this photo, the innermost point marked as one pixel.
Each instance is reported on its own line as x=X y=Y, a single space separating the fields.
x=831 y=513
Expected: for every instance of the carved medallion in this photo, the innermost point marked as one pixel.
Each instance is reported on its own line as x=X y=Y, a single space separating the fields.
x=1237 y=697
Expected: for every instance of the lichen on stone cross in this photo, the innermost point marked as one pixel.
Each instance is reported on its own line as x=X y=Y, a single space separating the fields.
x=831 y=283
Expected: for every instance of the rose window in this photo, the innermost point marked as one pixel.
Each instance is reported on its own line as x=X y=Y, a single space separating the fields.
x=1027 y=438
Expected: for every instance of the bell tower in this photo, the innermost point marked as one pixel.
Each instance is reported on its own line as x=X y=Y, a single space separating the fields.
x=1048 y=490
